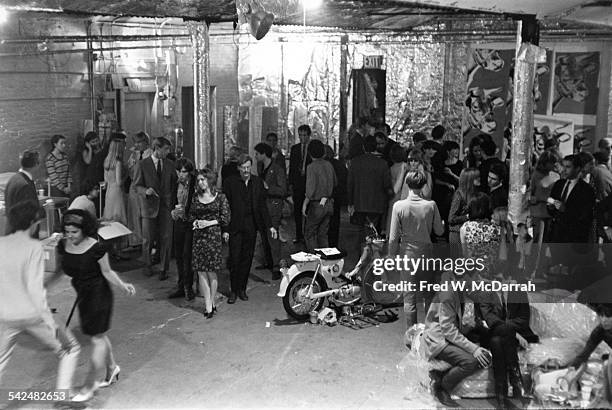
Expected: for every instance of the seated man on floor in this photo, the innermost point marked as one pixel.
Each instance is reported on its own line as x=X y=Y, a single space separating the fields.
x=444 y=339
x=601 y=333
x=504 y=328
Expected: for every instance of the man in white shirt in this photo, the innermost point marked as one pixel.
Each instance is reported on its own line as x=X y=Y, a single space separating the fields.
x=23 y=298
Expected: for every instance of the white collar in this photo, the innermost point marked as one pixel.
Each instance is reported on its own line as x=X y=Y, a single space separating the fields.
x=26 y=173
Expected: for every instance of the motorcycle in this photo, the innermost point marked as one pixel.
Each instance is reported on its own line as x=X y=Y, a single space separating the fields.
x=315 y=278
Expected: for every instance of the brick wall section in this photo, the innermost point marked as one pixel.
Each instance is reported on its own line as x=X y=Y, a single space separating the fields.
x=42 y=94
x=36 y=105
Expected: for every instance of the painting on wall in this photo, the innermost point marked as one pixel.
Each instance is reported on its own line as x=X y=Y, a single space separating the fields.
x=576 y=83
x=541 y=87
x=546 y=128
x=489 y=93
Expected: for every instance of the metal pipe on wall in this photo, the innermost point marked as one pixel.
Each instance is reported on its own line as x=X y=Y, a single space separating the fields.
x=102 y=38
x=90 y=74
x=86 y=50
x=522 y=124
x=201 y=92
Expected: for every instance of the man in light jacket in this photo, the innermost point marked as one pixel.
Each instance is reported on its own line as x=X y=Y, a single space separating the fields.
x=23 y=298
x=444 y=339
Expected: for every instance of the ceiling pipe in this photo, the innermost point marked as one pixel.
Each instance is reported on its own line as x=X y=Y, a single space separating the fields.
x=84 y=39
x=84 y=50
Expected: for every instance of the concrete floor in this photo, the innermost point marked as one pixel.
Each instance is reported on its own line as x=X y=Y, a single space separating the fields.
x=248 y=356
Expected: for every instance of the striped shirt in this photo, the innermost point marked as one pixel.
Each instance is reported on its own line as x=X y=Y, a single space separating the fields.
x=57 y=170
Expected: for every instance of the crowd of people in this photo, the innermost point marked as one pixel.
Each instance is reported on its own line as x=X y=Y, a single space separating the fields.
x=416 y=196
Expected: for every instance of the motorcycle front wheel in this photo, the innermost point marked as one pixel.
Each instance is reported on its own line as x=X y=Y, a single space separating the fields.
x=296 y=302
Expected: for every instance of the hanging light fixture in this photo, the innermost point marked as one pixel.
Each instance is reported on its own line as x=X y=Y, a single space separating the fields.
x=259 y=22
x=311 y=4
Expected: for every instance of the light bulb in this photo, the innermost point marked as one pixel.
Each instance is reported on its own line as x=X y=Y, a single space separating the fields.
x=312 y=4
x=3 y=15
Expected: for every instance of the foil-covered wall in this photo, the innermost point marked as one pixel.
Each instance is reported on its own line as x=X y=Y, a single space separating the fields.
x=610 y=109
x=418 y=98
x=455 y=89
x=307 y=74
x=299 y=76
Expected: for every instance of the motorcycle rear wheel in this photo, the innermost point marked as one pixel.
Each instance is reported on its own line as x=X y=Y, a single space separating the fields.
x=295 y=303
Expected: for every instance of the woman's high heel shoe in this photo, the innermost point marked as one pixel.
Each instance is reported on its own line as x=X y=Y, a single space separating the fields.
x=214 y=309
x=85 y=395
x=114 y=377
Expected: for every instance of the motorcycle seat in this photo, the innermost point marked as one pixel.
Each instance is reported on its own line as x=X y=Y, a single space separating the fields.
x=341 y=254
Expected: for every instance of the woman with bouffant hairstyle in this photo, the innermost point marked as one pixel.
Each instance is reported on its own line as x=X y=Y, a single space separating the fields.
x=210 y=216
x=85 y=260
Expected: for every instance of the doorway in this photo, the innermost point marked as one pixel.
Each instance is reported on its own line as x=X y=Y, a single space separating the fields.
x=369 y=94
x=137 y=112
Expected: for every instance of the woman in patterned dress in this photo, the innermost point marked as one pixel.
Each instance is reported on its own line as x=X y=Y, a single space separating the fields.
x=480 y=237
x=210 y=216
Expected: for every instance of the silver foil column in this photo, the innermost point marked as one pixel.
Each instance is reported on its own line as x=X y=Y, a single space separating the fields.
x=201 y=93
x=522 y=131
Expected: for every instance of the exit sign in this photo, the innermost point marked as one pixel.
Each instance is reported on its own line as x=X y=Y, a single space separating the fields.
x=372 y=61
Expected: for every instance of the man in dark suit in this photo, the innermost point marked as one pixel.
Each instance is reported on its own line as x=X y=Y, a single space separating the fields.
x=369 y=187
x=506 y=315
x=571 y=203
x=20 y=186
x=298 y=161
x=249 y=213
x=339 y=196
x=489 y=153
x=183 y=231
x=444 y=339
x=156 y=183
x=275 y=184
x=277 y=155
x=498 y=192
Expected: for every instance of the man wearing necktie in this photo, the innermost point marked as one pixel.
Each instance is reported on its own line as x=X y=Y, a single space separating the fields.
x=571 y=204
x=504 y=317
x=21 y=186
x=139 y=151
x=156 y=183
x=298 y=161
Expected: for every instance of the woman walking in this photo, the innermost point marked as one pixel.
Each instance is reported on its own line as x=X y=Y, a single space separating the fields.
x=210 y=216
x=85 y=260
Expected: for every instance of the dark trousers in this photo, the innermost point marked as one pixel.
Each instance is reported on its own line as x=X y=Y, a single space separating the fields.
x=333 y=235
x=57 y=193
x=316 y=225
x=272 y=247
x=503 y=345
x=241 y=250
x=158 y=229
x=464 y=364
x=299 y=194
x=183 y=242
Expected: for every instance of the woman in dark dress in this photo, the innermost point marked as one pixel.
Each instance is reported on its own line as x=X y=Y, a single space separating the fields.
x=85 y=260
x=210 y=216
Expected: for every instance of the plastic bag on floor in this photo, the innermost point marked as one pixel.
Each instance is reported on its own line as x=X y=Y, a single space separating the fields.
x=561 y=350
x=414 y=366
x=479 y=385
